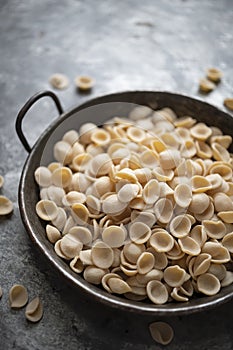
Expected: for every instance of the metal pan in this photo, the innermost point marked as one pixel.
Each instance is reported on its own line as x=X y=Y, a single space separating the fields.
x=99 y=110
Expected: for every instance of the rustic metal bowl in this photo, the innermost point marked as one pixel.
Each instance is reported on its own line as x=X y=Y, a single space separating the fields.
x=99 y=110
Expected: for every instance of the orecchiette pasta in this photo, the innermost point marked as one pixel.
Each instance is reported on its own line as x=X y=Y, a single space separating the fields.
x=142 y=206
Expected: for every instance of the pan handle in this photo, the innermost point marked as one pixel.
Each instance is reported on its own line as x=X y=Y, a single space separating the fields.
x=26 y=107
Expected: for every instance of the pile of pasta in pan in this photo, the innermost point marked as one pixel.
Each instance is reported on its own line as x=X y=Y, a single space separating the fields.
x=143 y=205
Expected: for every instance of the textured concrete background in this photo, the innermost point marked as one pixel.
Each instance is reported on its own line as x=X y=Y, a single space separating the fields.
x=160 y=45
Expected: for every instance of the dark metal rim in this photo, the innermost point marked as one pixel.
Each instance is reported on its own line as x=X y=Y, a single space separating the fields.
x=93 y=291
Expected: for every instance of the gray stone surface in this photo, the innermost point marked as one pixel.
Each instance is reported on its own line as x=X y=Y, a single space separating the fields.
x=160 y=45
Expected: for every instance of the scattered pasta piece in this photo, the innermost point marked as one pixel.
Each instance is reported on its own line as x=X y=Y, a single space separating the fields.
x=18 y=296
x=214 y=74
x=34 y=310
x=59 y=81
x=84 y=82
x=161 y=332
x=206 y=85
x=6 y=206
x=1 y=181
x=228 y=102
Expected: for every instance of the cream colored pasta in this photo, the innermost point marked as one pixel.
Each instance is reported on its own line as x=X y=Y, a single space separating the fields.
x=180 y=226
x=6 y=206
x=161 y=241
x=142 y=206
x=161 y=332
x=1 y=181
x=59 y=81
x=43 y=176
x=174 y=276
x=84 y=82
x=208 y=284
x=34 y=310
x=157 y=292
x=18 y=296
x=53 y=234
x=214 y=74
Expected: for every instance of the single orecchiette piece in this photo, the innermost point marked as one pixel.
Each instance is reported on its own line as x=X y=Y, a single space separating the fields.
x=18 y=296
x=34 y=310
x=161 y=332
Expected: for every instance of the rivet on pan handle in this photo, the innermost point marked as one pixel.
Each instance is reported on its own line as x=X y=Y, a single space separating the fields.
x=26 y=107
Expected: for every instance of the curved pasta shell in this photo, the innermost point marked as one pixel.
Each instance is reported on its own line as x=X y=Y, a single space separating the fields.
x=100 y=137
x=201 y=131
x=157 y=292
x=102 y=255
x=149 y=159
x=226 y=216
x=203 y=150
x=174 y=276
x=219 y=254
x=80 y=213
x=18 y=296
x=214 y=229
x=161 y=241
x=71 y=137
x=143 y=175
x=112 y=205
x=223 y=140
x=201 y=264
x=177 y=295
x=227 y=242
x=145 y=262
x=169 y=159
x=175 y=253
x=221 y=168
x=218 y=270
x=76 y=265
x=222 y=202
x=198 y=234
x=183 y=195
x=100 y=165
x=140 y=112
x=128 y=192
x=199 y=203
x=180 y=226
x=81 y=234
x=188 y=149
x=189 y=246
x=132 y=251
x=70 y=246
x=161 y=332
x=105 y=279
x=139 y=232
x=6 y=207
x=163 y=174
x=207 y=214
x=43 y=176
x=62 y=152
x=219 y=152
x=34 y=310
x=200 y=184
x=151 y=192
x=52 y=233
x=208 y=284
x=73 y=197
x=62 y=177
x=114 y=236
x=46 y=210
x=163 y=210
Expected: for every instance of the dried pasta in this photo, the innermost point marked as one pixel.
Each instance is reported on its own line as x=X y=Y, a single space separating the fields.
x=143 y=206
